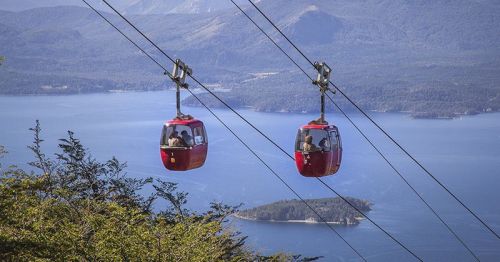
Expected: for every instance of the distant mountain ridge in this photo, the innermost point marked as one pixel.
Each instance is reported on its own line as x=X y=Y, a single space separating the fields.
x=143 y=7
x=423 y=57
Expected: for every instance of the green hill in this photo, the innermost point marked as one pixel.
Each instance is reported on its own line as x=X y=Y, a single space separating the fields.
x=428 y=58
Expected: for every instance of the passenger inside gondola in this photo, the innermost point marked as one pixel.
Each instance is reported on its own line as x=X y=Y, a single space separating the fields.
x=175 y=141
x=188 y=140
x=308 y=144
x=313 y=140
x=171 y=137
x=324 y=144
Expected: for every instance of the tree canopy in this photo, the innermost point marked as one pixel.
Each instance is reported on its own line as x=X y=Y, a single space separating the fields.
x=75 y=208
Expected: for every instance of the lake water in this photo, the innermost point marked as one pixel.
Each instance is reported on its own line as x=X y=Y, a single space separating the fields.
x=463 y=153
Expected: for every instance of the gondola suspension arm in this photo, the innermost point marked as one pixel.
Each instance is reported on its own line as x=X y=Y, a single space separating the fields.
x=322 y=81
x=178 y=76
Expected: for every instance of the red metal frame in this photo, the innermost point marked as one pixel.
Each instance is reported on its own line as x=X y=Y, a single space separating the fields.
x=319 y=163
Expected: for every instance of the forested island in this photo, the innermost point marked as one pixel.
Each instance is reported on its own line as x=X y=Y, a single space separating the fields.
x=333 y=210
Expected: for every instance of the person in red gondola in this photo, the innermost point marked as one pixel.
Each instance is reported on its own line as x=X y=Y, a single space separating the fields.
x=324 y=144
x=175 y=140
x=308 y=144
x=187 y=139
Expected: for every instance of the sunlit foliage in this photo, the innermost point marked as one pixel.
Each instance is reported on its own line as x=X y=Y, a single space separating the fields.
x=75 y=208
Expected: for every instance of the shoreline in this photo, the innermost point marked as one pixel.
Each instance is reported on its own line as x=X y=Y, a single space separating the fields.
x=413 y=115
x=298 y=221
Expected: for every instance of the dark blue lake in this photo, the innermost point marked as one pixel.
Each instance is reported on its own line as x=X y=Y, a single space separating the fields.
x=463 y=153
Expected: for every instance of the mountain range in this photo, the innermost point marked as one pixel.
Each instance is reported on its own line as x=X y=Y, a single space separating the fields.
x=431 y=58
x=128 y=6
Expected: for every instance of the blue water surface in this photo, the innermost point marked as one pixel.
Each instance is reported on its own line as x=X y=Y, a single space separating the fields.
x=464 y=154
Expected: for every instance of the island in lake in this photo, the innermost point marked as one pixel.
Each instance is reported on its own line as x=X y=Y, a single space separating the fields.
x=333 y=210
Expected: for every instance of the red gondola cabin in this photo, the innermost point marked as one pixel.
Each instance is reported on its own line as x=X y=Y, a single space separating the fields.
x=184 y=144
x=318 y=150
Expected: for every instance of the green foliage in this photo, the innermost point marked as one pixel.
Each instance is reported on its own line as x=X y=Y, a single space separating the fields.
x=2 y=58
x=331 y=209
x=79 y=209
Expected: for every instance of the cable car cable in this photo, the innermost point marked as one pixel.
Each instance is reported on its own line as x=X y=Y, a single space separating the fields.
x=276 y=174
x=404 y=179
x=139 y=31
x=290 y=156
x=421 y=166
x=269 y=139
x=380 y=128
x=269 y=37
x=124 y=35
x=191 y=76
x=246 y=145
x=289 y=41
x=390 y=164
x=247 y=120
x=223 y=101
